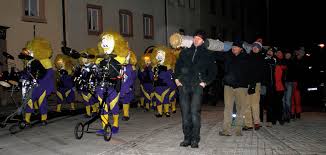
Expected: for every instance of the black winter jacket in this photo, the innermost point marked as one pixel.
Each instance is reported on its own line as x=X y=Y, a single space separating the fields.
x=195 y=65
x=236 y=69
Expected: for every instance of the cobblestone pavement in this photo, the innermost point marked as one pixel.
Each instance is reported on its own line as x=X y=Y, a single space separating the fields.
x=146 y=134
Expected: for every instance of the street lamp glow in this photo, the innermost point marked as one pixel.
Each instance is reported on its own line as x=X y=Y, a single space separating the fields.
x=321 y=45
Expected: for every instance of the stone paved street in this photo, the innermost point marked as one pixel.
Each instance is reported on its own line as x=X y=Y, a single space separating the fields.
x=145 y=134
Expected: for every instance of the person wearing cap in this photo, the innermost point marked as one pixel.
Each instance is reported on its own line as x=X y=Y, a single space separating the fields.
x=194 y=70
x=236 y=83
x=267 y=87
x=256 y=77
x=289 y=82
x=296 y=108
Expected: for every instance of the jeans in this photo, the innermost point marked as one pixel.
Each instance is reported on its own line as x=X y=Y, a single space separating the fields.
x=287 y=100
x=190 y=103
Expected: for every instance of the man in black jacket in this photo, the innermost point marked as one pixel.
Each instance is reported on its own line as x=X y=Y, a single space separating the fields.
x=236 y=82
x=194 y=70
x=257 y=70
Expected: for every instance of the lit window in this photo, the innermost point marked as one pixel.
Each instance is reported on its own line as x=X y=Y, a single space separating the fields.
x=33 y=11
x=94 y=19
x=125 y=17
x=148 y=26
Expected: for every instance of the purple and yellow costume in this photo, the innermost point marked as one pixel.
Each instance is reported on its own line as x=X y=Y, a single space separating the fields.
x=146 y=77
x=110 y=76
x=107 y=91
x=162 y=59
x=85 y=80
x=126 y=92
x=41 y=50
x=65 y=92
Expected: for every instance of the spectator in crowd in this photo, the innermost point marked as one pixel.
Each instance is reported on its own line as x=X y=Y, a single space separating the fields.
x=289 y=82
x=236 y=83
x=256 y=77
x=277 y=105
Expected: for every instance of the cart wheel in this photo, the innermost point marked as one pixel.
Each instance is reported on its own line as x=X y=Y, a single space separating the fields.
x=21 y=125
x=107 y=132
x=14 y=128
x=2 y=125
x=79 y=130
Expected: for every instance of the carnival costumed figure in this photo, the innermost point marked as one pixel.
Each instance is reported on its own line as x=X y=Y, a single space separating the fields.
x=109 y=77
x=40 y=50
x=146 y=77
x=65 y=92
x=162 y=60
x=129 y=76
x=85 y=80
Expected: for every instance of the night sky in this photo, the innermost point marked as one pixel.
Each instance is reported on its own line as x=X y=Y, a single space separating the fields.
x=298 y=22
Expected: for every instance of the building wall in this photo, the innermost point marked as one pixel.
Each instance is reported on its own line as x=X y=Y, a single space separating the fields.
x=183 y=17
x=226 y=25
x=76 y=22
x=77 y=35
x=20 y=32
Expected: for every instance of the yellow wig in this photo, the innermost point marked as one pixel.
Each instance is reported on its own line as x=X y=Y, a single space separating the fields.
x=145 y=58
x=41 y=48
x=133 y=58
x=169 y=61
x=63 y=62
x=42 y=51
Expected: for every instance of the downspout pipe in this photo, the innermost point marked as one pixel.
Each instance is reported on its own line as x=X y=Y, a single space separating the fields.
x=166 y=22
x=64 y=42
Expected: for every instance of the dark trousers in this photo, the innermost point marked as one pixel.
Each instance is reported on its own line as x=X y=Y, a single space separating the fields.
x=277 y=107
x=190 y=103
x=268 y=103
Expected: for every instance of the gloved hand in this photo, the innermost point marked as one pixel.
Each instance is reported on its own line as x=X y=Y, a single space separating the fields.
x=251 y=89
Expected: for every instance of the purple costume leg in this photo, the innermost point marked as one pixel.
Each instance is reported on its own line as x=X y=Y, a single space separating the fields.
x=71 y=96
x=111 y=102
x=162 y=97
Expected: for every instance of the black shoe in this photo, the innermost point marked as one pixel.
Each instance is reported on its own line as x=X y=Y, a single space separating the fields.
x=281 y=122
x=94 y=114
x=222 y=133
x=158 y=115
x=28 y=125
x=298 y=116
x=247 y=128
x=44 y=123
x=185 y=143
x=274 y=122
x=167 y=114
x=87 y=116
x=124 y=118
x=292 y=116
x=174 y=111
x=194 y=145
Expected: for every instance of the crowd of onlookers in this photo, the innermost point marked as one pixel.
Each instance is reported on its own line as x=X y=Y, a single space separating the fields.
x=262 y=82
